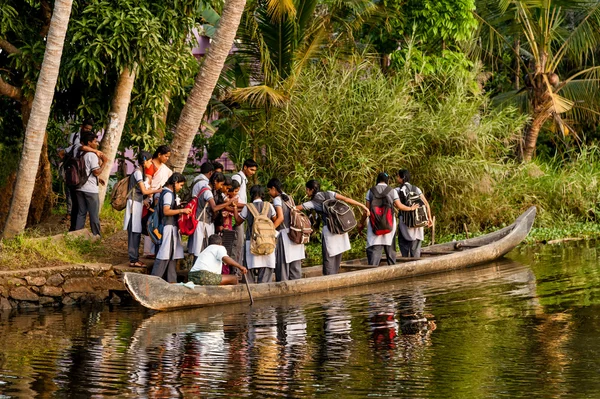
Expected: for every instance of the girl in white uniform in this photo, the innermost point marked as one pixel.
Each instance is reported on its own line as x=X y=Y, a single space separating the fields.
x=136 y=190
x=170 y=248
x=332 y=245
x=263 y=265
x=288 y=255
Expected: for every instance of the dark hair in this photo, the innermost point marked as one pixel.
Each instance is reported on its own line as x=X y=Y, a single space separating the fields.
x=275 y=183
x=206 y=167
x=313 y=185
x=217 y=177
x=383 y=178
x=404 y=175
x=88 y=121
x=256 y=191
x=215 y=239
x=87 y=137
x=234 y=185
x=228 y=180
x=250 y=163
x=217 y=165
x=175 y=178
x=142 y=157
x=161 y=150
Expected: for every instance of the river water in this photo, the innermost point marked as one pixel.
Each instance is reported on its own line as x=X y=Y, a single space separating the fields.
x=524 y=327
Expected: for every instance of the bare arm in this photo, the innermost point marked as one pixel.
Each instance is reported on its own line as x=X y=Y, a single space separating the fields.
x=236 y=216
x=147 y=191
x=402 y=207
x=278 y=218
x=430 y=222
x=217 y=208
x=353 y=202
x=229 y=261
x=167 y=211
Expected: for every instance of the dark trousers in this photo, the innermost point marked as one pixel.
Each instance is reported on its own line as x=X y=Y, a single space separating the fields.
x=285 y=271
x=409 y=249
x=261 y=275
x=374 y=254
x=133 y=243
x=168 y=266
x=88 y=203
x=331 y=264
x=72 y=193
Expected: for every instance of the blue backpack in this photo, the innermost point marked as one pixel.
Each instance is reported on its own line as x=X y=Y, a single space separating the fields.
x=155 y=226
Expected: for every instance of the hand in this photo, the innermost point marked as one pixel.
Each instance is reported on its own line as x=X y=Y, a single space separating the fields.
x=367 y=211
x=415 y=206
x=360 y=228
x=429 y=223
x=102 y=182
x=186 y=211
x=243 y=269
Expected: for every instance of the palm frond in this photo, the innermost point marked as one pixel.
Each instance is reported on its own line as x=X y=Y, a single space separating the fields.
x=514 y=98
x=278 y=10
x=260 y=96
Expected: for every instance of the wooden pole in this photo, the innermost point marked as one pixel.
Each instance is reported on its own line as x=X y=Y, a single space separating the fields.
x=248 y=287
x=466 y=230
x=433 y=231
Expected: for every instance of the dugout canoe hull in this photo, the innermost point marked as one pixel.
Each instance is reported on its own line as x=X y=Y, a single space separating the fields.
x=155 y=293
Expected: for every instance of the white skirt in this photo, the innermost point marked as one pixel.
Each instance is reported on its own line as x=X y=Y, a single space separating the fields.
x=256 y=261
x=135 y=215
x=385 y=239
x=170 y=234
x=335 y=243
x=293 y=251
x=195 y=241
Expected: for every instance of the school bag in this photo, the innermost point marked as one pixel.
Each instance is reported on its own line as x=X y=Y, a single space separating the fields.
x=300 y=228
x=381 y=212
x=188 y=223
x=155 y=227
x=74 y=167
x=417 y=217
x=120 y=193
x=263 y=238
x=340 y=218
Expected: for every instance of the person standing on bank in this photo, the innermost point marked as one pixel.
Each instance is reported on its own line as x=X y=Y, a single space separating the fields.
x=248 y=170
x=263 y=265
x=202 y=180
x=133 y=213
x=170 y=248
x=288 y=255
x=87 y=195
x=410 y=238
x=377 y=243
x=332 y=245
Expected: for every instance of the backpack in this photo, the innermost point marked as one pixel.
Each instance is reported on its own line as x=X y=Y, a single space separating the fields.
x=417 y=217
x=187 y=223
x=381 y=212
x=300 y=228
x=119 y=195
x=263 y=238
x=74 y=167
x=155 y=226
x=340 y=218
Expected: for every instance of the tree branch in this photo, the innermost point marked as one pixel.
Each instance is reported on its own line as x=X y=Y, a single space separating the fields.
x=11 y=91
x=9 y=48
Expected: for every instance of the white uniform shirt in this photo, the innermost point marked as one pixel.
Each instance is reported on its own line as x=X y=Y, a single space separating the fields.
x=241 y=178
x=211 y=259
x=91 y=164
x=199 y=182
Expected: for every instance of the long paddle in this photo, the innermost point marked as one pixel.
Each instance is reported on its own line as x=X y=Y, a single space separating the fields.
x=248 y=287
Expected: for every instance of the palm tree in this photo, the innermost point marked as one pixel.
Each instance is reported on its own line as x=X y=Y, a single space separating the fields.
x=38 y=120
x=548 y=37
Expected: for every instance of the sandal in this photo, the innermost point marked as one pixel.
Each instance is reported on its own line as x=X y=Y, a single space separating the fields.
x=137 y=264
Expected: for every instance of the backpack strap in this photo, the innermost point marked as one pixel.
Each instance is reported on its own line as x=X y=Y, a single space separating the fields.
x=203 y=213
x=252 y=210
x=265 y=210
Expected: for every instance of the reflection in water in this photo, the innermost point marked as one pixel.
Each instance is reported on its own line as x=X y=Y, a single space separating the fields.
x=503 y=330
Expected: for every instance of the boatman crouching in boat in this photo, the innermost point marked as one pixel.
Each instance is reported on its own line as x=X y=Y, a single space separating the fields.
x=381 y=228
x=208 y=266
x=410 y=238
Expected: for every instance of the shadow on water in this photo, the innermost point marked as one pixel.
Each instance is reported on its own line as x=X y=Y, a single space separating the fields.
x=521 y=327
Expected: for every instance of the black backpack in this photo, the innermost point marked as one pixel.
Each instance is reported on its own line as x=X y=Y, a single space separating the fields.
x=417 y=217
x=382 y=212
x=340 y=218
x=74 y=167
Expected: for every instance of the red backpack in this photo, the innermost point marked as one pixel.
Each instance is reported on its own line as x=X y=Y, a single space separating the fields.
x=382 y=213
x=187 y=223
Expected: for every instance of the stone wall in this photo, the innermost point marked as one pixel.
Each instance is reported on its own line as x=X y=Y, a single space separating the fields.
x=64 y=285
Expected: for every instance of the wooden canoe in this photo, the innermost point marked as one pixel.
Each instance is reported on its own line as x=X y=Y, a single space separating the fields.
x=155 y=293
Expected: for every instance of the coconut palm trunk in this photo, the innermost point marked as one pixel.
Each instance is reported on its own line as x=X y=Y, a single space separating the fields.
x=532 y=134
x=206 y=80
x=116 y=122
x=38 y=120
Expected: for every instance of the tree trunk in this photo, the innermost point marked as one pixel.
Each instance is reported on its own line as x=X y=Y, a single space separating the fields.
x=38 y=120
x=195 y=106
x=518 y=66
x=116 y=122
x=532 y=134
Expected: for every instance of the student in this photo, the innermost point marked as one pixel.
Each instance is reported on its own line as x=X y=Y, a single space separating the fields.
x=202 y=180
x=218 y=166
x=332 y=245
x=248 y=170
x=136 y=189
x=377 y=243
x=207 y=207
x=170 y=249
x=160 y=173
x=87 y=195
x=410 y=238
x=263 y=265
x=232 y=194
x=288 y=255
x=207 y=268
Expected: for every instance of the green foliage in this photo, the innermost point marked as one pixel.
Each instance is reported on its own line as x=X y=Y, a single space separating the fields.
x=448 y=20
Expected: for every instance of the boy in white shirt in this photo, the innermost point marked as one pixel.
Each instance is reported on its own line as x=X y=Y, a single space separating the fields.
x=208 y=266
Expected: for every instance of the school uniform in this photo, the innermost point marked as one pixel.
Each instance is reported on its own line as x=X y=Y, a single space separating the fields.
x=288 y=255
x=72 y=204
x=238 y=247
x=205 y=226
x=171 y=248
x=332 y=245
x=264 y=265
x=385 y=242
x=133 y=215
x=409 y=238
x=159 y=179
x=199 y=183
x=88 y=201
